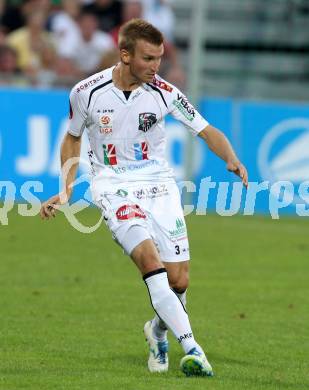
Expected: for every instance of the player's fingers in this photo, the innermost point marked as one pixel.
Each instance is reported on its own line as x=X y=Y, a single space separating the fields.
x=245 y=180
x=235 y=168
x=241 y=172
x=43 y=213
x=51 y=209
x=244 y=176
x=47 y=211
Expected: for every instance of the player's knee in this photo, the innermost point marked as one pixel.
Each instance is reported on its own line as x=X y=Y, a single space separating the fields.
x=180 y=284
x=181 y=287
x=146 y=257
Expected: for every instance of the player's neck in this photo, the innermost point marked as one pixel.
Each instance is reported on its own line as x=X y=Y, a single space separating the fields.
x=123 y=79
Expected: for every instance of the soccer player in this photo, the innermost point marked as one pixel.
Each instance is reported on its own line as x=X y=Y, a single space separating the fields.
x=123 y=109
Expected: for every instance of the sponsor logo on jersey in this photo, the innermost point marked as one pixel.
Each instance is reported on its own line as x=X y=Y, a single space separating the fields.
x=105 y=119
x=151 y=192
x=162 y=84
x=135 y=167
x=89 y=83
x=180 y=229
x=184 y=107
x=146 y=120
x=121 y=192
x=127 y=211
x=106 y=111
x=141 y=151
x=106 y=130
x=105 y=123
x=109 y=151
x=71 y=110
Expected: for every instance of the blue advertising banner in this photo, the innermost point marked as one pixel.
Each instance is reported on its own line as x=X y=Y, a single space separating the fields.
x=271 y=139
x=275 y=139
x=31 y=128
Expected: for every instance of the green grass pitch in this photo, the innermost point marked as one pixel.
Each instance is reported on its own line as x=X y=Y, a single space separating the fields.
x=73 y=307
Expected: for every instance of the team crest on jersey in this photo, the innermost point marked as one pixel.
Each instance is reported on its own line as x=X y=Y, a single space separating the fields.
x=146 y=120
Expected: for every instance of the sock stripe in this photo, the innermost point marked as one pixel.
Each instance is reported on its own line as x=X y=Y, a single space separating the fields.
x=152 y=273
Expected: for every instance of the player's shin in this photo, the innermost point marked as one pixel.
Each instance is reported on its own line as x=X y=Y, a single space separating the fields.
x=169 y=308
x=159 y=328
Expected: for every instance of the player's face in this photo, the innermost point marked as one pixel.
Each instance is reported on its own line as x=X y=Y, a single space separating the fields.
x=145 y=61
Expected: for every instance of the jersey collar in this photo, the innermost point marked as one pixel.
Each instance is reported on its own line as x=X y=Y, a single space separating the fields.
x=134 y=95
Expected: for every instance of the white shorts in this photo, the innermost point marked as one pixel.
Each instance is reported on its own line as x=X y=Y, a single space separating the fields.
x=146 y=211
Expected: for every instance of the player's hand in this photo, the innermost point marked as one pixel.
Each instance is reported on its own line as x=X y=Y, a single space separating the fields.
x=49 y=208
x=239 y=170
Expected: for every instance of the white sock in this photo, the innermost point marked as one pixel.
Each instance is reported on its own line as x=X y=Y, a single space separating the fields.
x=169 y=308
x=159 y=329
x=182 y=296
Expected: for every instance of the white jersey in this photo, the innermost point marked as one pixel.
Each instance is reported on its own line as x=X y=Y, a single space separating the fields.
x=127 y=136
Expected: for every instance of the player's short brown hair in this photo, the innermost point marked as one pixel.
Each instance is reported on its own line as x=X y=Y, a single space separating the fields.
x=137 y=29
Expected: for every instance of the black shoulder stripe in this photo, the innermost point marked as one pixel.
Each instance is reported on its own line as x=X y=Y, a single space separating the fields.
x=161 y=94
x=96 y=88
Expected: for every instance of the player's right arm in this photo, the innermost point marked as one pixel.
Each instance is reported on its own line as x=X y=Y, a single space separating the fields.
x=221 y=146
x=70 y=153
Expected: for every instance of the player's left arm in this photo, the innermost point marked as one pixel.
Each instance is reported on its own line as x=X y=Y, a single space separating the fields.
x=221 y=146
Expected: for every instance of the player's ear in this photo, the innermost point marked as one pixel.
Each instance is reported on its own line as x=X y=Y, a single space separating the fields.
x=125 y=57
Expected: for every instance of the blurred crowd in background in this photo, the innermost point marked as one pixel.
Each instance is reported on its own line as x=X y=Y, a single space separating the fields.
x=47 y=43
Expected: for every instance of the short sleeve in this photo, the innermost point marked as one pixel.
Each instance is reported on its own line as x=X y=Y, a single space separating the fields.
x=185 y=112
x=77 y=114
